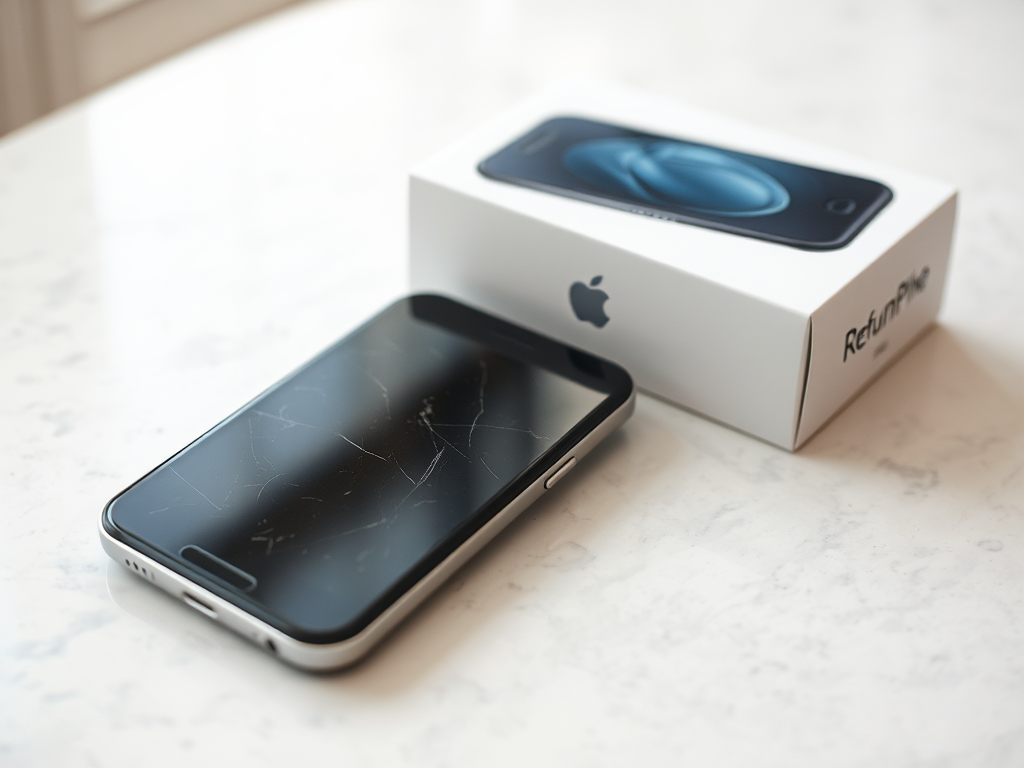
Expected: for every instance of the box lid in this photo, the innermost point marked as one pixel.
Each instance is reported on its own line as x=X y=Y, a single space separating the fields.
x=796 y=279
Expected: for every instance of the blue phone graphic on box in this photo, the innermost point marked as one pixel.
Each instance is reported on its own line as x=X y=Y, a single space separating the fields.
x=684 y=181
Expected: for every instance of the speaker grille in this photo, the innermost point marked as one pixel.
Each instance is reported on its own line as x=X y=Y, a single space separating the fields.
x=143 y=571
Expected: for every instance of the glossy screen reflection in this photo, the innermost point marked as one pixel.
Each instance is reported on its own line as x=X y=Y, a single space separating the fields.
x=330 y=488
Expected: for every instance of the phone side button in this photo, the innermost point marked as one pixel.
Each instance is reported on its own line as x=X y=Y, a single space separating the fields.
x=199 y=605
x=561 y=472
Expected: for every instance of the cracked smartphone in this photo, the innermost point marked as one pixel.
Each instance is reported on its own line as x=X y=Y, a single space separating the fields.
x=683 y=181
x=316 y=517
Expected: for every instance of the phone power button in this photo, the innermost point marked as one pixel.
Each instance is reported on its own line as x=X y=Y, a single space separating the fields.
x=561 y=472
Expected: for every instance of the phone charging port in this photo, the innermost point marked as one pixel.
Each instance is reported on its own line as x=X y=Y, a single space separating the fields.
x=199 y=605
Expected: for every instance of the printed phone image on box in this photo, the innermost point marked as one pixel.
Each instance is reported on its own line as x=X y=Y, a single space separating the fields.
x=692 y=183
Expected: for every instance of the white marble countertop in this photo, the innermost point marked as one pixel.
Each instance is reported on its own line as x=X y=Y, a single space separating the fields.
x=691 y=596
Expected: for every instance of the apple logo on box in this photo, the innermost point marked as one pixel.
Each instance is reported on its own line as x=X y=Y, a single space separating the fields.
x=588 y=302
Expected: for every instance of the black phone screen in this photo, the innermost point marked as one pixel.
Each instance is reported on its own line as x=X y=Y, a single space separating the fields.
x=325 y=498
x=689 y=182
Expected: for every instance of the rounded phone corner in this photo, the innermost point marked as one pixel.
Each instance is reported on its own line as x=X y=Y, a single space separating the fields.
x=483 y=169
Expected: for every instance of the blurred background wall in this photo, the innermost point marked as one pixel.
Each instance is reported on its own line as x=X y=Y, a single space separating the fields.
x=55 y=51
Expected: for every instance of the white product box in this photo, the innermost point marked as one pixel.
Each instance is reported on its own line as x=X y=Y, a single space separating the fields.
x=768 y=338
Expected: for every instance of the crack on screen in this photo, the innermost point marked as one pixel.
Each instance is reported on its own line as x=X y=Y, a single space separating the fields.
x=264 y=487
x=489 y=469
x=400 y=469
x=480 y=412
x=380 y=384
x=271 y=540
x=424 y=419
x=252 y=448
x=186 y=482
x=177 y=503
x=426 y=476
x=289 y=423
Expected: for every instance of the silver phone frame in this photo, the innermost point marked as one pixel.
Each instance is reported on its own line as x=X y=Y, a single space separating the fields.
x=322 y=657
